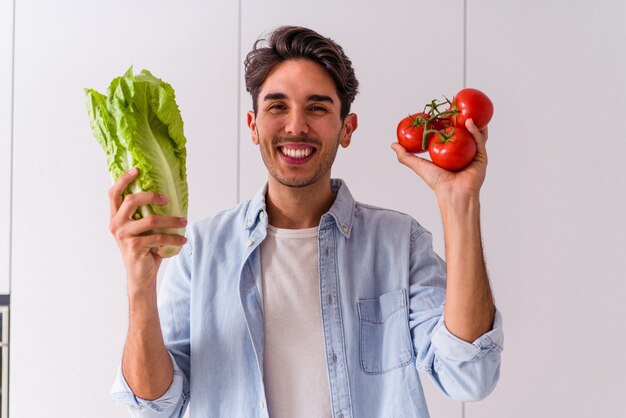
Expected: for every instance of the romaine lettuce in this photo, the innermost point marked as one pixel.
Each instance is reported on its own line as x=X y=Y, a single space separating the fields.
x=138 y=124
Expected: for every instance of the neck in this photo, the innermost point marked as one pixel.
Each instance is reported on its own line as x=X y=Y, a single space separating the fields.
x=298 y=207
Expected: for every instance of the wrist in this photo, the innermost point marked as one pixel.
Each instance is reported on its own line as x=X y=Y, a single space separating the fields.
x=142 y=297
x=458 y=202
x=140 y=284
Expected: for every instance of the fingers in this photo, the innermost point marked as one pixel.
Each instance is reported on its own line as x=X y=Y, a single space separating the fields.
x=124 y=227
x=150 y=223
x=428 y=171
x=485 y=132
x=143 y=245
x=408 y=159
x=138 y=238
x=480 y=136
x=117 y=190
x=133 y=201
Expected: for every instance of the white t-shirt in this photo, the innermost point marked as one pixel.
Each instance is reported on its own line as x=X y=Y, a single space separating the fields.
x=294 y=364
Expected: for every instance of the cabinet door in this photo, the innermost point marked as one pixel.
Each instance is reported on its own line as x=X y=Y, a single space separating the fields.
x=6 y=154
x=554 y=202
x=69 y=303
x=400 y=67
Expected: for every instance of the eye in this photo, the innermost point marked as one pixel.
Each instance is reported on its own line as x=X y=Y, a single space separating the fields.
x=276 y=107
x=318 y=109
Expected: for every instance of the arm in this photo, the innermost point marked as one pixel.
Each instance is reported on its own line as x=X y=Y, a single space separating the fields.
x=462 y=357
x=461 y=370
x=469 y=307
x=146 y=365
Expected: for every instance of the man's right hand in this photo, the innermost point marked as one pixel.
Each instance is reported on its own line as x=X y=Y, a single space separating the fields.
x=135 y=245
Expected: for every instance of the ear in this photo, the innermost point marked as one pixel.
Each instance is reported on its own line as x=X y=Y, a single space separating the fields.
x=350 y=123
x=251 y=119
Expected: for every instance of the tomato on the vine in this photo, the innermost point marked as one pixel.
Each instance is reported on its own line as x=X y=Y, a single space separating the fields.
x=454 y=152
x=472 y=104
x=410 y=132
x=450 y=145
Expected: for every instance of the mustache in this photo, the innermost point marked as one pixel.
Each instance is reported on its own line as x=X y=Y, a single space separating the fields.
x=280 y=140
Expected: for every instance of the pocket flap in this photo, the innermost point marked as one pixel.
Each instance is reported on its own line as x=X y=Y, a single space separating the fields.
x=378 y=310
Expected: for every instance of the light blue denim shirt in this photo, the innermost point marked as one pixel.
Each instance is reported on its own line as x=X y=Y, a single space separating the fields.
x=382 y=290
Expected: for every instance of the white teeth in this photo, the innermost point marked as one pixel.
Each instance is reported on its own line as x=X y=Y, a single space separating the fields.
x=296 y=153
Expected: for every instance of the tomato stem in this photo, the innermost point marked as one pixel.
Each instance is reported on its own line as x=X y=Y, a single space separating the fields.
x=444 y=137
x=432 y=109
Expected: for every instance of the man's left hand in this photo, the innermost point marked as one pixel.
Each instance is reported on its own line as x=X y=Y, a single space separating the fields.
x=443 y=182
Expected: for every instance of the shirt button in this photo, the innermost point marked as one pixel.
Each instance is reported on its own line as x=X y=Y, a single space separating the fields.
x=344 y=229
x=262 y=405
x=249 y=243
x=330 y=299
x=334 y=357
x=262 y=215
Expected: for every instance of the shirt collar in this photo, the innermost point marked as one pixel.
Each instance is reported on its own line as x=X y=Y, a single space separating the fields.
x=341 y=212
x=256 y=209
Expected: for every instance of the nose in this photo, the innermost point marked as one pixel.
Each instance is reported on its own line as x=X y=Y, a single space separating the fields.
x=296 y=123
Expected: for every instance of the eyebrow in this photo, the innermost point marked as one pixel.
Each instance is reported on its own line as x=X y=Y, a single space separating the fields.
x=275 y=96
x=319 y=98
x=309 y=98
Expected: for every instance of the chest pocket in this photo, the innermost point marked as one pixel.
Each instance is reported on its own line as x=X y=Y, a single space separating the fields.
x=384 y=336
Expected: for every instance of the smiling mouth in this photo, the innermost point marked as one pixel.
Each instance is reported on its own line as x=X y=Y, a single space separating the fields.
x=296 y=153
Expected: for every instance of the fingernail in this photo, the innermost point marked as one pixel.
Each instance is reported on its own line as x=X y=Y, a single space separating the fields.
x=163 y=198
x=183 y=221
x=132 y=170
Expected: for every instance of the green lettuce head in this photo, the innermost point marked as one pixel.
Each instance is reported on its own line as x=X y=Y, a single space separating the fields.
x=138 y=124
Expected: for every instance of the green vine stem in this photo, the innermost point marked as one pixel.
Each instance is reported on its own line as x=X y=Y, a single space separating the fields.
x=432 y=109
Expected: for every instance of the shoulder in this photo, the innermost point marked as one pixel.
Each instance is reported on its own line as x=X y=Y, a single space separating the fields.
x=221 y=227
x=371 y=215
x=233 y=216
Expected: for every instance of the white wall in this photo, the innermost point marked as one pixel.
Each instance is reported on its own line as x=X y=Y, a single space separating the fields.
x=68 y=283
x=553 y=201
x=6 y=83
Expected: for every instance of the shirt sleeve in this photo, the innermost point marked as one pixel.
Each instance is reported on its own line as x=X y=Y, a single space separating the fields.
x=467 y=371
x=461 y=370
x=174 y=314
x=171 y=404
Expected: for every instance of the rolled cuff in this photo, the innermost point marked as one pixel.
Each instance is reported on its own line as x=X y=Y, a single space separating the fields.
x=451 y=347
x=122 y=394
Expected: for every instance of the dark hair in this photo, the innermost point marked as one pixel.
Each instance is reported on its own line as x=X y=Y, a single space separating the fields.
x=294 y=42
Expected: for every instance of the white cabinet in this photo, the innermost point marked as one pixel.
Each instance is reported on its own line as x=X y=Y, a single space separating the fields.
x=554 y=201
x=6 y=82
x=68 y=295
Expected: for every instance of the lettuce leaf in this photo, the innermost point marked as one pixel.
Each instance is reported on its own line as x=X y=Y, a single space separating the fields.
x=138 y=124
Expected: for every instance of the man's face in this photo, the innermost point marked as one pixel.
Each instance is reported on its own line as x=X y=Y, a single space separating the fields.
x=298 y=126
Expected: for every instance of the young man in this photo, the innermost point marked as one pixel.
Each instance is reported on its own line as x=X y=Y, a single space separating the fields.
x=302 y=302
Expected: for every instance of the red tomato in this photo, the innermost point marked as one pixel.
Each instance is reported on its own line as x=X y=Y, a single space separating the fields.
x=472 y=104
x=410 y=132
x=455 y=153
